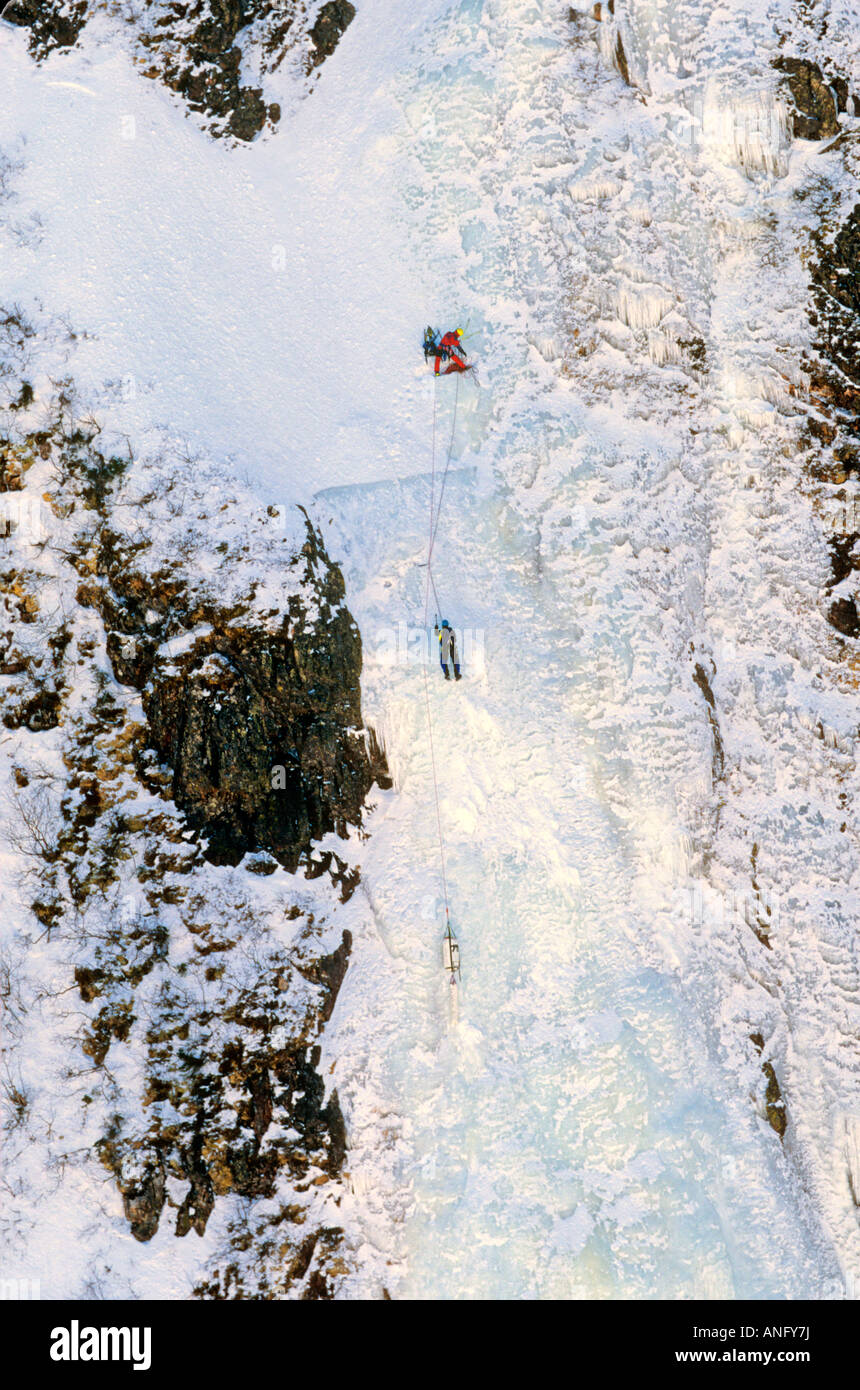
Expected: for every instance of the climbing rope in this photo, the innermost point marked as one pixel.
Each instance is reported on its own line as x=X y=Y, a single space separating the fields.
x=435 y=512
x=434 y=527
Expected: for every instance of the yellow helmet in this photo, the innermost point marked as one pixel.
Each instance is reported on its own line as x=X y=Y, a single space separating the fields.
x=459 y=332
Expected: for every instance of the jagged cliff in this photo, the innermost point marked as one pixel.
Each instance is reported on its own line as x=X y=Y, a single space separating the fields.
x=202 y=51
x=203 y=727
x=648 y=798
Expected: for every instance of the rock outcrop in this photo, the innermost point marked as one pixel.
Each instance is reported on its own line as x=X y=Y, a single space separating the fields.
x=702 y=680
x=52 y=24
x=262 y=728
x=817 y=102
x=331 y=23
x=835 y=268
x=254 y=723
x=192 y=659
x=206 y=51
x=195 y=50
x=774 y=1105
x=834 y=426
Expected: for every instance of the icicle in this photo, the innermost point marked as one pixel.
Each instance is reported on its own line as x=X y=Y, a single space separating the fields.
x=761 y=393
x=757 y=414
x=732 y=232
x=395 y=736
x=641 y=213
x=639 y=274
x=593 y=189
x=547 y=347
x=747 y=129
x=663 y=348
x=642 y=306
x=607 y=41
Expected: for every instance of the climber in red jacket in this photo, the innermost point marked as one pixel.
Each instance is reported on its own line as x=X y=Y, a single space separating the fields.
x=450 y=350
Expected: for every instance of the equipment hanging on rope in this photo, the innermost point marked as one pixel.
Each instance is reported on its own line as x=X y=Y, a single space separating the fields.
x=451 y=955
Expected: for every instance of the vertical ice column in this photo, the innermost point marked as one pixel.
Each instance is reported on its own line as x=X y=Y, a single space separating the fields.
x=747 y=129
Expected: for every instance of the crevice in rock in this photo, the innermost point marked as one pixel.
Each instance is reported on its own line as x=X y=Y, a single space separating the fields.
x=760 y=917
x=702 y=680
x=773 y=1102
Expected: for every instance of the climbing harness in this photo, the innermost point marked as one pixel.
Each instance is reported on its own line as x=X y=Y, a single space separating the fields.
x=450 y=948
x=434 y=345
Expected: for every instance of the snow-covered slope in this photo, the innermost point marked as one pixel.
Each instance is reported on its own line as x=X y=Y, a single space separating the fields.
x=647 y=775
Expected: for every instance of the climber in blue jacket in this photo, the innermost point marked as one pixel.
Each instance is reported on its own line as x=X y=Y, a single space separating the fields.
x=447 y=649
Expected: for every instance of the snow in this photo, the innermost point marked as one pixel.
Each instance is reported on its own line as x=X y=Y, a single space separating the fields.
x=611 y=518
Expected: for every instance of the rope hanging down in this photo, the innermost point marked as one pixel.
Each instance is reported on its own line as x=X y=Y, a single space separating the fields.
x=434 y=526
x=452 y=952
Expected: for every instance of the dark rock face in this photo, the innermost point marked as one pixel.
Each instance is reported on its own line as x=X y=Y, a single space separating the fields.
x=816 y=101
x=196 y=55
x=842 y=614
x=143 y=1204
x=52 y=23
x=257 y=718
x=836 y=293
x=35 y=712
x=718 y=760
x=332 y=20
x=196 y=49
x=773 y=1101
x=262 y=729
x=835 y=387
x=843 y=560
x=219 y=1148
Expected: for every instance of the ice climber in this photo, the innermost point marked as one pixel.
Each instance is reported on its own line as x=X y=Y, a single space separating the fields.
x=447 y=649
x=447 y=349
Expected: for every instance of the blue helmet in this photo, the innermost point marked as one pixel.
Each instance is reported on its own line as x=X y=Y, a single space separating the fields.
x=445 y=622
